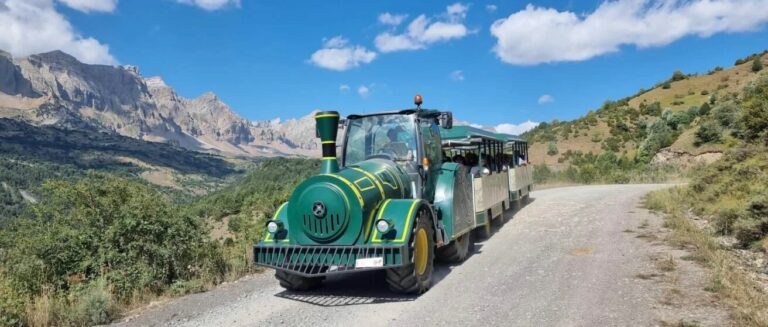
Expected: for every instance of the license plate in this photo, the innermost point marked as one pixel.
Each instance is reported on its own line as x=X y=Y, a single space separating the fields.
x=369 y=262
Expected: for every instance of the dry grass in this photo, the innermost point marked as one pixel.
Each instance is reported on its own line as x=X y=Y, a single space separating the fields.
x=39 y=311
x=735 y=77
x=748 y=303
x=667 y=264
x=538 y=151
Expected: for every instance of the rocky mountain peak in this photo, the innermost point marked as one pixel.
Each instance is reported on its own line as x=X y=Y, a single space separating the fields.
x=208 y=97
x=56 y=58
x=54 y=88
x=155 y=82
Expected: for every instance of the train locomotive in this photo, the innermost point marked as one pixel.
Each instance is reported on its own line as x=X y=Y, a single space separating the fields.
x=395 y=200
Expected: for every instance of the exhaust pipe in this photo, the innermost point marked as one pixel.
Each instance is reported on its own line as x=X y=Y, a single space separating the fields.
x=327 y=126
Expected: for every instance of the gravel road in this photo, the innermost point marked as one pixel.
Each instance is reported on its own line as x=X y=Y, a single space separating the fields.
x=573 y=256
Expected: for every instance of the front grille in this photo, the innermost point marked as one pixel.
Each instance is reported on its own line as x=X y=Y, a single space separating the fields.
x=326 y=260
x=323 y=228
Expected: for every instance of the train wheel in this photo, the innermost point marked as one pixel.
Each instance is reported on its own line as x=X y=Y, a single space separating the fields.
x=295 y=282
x=416 y=277
x=456 y=251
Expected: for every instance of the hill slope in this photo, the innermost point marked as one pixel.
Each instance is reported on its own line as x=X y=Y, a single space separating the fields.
x=629 y=128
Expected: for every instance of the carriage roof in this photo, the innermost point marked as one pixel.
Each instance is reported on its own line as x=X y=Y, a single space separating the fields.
x=468 y=135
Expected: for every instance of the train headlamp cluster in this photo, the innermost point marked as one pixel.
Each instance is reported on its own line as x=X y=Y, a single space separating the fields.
x=384 y=226
x=274 y=226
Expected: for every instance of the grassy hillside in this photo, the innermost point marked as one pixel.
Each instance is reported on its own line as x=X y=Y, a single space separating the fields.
x=731 y=198
x=629 y=127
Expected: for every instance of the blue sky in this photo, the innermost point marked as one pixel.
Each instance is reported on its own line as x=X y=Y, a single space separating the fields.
x=489 y=62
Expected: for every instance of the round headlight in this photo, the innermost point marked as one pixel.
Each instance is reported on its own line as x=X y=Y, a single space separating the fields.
x=273 y=227
x=383 y=226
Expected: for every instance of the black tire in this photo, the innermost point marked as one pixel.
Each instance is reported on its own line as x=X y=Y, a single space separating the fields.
x=456 y=251
x=407 y=279
x=295 y=282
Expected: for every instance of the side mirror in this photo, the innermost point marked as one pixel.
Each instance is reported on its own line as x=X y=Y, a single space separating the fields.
x=446 y=120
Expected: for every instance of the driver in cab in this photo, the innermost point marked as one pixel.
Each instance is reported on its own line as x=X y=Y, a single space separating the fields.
x=401 y=143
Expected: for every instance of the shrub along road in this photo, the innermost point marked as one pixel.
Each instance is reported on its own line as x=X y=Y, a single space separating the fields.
x=574 y=256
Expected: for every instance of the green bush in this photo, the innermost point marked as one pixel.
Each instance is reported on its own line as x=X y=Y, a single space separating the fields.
x=659 y=136
x=11 y=304
x=551 y=148
x=726 y=114
x=757 y=65
x=97 y=239
x=708 y=132
x=693 y=112
x=678 y=76
x=95 y=305
x=653 y=109
x=678 y=120
x=666 y=85
x=754 y=120
x=704 y=109
x=542 y=174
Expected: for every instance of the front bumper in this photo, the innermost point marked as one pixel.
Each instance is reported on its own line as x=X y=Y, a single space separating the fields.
x=312 y=261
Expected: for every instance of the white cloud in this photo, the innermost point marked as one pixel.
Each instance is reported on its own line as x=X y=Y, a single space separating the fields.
x=344 y=88
x=546 y=98
x=337 y=54
x=391 y=19
x=491 y=8
x=423 y=31
x=539 y=35
x=516 y=129
x=211 y=5
x=91 y=5
x=457 y=10
x=363 y=91
x=457 y=75
x=30 y=27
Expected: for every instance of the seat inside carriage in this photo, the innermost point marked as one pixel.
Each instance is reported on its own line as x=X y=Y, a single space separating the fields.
x=487 y=151
x=496 y=162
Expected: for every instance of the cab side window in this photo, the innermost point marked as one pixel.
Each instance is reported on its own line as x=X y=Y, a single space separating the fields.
x=430 y=135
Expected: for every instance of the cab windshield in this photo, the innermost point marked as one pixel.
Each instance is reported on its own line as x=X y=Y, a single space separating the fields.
x=390 y=137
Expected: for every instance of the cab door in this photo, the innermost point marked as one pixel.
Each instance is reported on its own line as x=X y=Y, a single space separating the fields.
x=431 y=150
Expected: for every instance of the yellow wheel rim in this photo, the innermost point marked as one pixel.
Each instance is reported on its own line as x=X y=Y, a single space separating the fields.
x=421 y=251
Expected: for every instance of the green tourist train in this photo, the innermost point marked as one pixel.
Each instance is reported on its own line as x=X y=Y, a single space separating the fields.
x=408 y=189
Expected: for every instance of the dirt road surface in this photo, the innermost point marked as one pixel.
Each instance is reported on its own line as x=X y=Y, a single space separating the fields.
x=573 y=256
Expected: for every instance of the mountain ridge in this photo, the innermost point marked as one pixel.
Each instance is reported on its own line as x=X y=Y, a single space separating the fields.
x=54 y=88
